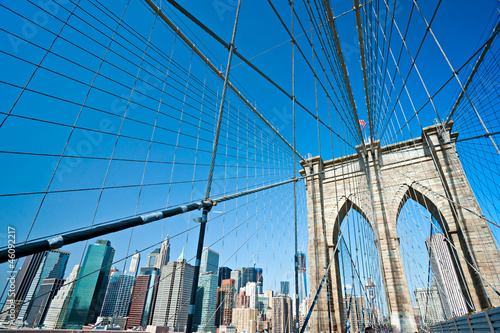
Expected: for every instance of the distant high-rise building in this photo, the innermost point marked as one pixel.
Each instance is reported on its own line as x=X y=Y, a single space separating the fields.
x=41 y=302
x=263 y=304
x=118 y=295
x=252 y=290
x=164 y=255
x=152 y=257
x=282 y=314
x=90 y=289
x=285 y=288
x=53 y=266
x=269 y=294
x=302 y=266
x=138 y=302
x=206 y=297
x=151 y=295
x=445 y=276
x=236 y=276
x=260 y=280
x=209 y=261
x=242 y=300
x=59 y=306
x=245 y=319
x=227 y=300
x=224 y=274
x=174 y=290
x=249 y=274
x=429 y=302
x=134 y=264
x=23 y=281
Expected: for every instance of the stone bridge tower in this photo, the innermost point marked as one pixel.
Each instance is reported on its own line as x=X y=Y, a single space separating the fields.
x=377 y=185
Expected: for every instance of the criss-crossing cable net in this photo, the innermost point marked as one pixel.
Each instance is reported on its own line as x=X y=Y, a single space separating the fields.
x=111 y=112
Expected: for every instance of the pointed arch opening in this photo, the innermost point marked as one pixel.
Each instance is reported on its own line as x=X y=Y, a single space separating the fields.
x=437 y=286
x=363 y=293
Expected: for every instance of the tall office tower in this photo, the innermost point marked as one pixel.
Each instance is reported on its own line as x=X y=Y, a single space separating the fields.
x=252 y=290
x=41 y=302
x=249 y=274
x=355 y=306
x=151 y=295
x=209 y=261
x=90 y=288
x=269 y=294
x=285 y=288
x=138 y=302
x=152 y=257
x=242 y=300
x=227 y=301
x=429 y=302
x=282 y=314
x=174 y=291
x=134 y=264
x=260 y=280
x=118 y=295
x=224 y=274
x=143 y=298
x=301 y=260
x=263 y=304
x=446 y=277
x=59 y=306
x=22 y=283
x=236 y=276
x=52 y=267
x=164 y=255
x=245 y=319
x=206 y=298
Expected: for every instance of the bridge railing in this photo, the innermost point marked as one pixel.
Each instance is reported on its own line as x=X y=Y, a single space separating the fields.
x=486 y=321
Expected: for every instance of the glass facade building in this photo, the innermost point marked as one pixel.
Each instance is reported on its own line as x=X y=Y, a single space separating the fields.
x=209 y=261
x=90 y=289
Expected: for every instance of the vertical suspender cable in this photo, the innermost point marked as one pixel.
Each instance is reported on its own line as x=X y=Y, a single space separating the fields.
x=296 y=323
x=204 y=216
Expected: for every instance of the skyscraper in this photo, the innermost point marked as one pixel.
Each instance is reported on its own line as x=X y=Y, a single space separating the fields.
x=282 y=314
x=301 y=261
x=134 y=264
x=227 y=298
x=209 y=261
x=224 y=274
x=252 y=290
x=429 y=302
x=41 y=302
x=152 y=257
x=86 y=303
x=260 y=280
x=23 y=281
x=245 y=319
x=236 y=276
x=151 y=294
x=249 y=274
x=285 y=288
x=138 y=303
x=118 y=293
x=52 y=266
x=174 y=290
x=445 y=276
x=59 y=306
x=206 y=297
x=164 y=255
